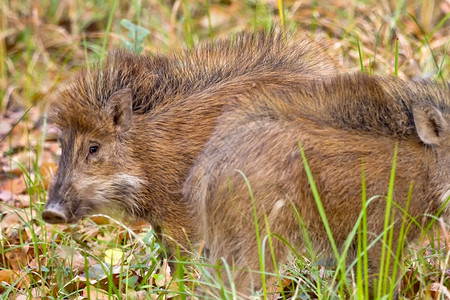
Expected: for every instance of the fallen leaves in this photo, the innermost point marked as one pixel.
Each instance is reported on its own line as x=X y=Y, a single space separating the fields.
x=45 y=260
x=7 y=276
x=163 y=278
x=114 y=256
x=27 y=162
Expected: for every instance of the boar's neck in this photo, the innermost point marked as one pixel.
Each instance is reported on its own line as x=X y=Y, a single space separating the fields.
x=438 y=189
x=418 y=164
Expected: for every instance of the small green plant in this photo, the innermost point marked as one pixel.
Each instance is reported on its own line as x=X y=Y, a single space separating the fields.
x=136 y=36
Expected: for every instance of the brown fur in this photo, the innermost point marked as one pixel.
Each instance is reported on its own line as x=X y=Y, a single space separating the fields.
x=149 y=118
x=343 y=123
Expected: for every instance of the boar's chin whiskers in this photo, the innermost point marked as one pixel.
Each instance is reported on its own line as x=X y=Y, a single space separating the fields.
x=130 y=187
x=116 y=195
x=123 y=190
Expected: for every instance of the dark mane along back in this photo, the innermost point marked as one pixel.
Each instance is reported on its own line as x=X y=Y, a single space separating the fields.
x=379 y=105
x=160 y=79
x=370 y=104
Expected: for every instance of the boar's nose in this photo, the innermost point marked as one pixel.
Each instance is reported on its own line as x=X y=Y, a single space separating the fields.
x=53 y=216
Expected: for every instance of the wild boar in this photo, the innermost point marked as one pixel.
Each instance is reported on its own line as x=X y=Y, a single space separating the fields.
x=252 y=165
x=132 y=128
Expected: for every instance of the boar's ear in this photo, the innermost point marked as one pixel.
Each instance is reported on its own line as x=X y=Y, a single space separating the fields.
x=431 y=125
x=120 y=106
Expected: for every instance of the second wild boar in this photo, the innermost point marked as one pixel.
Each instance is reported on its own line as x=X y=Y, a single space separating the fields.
x=252 y=165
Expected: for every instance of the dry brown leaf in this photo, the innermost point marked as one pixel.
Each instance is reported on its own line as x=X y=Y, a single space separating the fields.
x=100 y=220
x=6 y=196
x=14 y=185
x=24 y=279
x=47 y=169
x=17 y=258
x=98 y=274
x=17 y=236
x=437 y=290
x=5 y=127
x=164 y=277
x=102 y=238
x=22 y=201
x=445 y=6
x=18 y=136
x=37 y=293
x=139 y=225
x=71 y=258
x=94 y=293
x=77 y=262
x=23 y=159
x=51 y=234
x=10 y=220
x=137 y=295
x=36 y=262
x=91 y=231
x=123 y=236
x=114 y=279
x=7 y=276
x=13 y=169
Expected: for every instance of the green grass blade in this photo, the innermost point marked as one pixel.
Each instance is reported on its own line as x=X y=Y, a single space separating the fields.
x=361 y=63
x=107 y=30
x=385 y=258
x=339 y=259
x=261 y=254
x=396 y=58
x=433 y=56
x=208 y=14
x=281 y=13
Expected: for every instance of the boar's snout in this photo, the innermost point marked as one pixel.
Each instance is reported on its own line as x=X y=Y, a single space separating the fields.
x=53 y=215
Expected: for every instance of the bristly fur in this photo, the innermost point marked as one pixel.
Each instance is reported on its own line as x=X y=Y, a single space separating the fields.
x=383 y=107
x=156 y=80
x=369 y=104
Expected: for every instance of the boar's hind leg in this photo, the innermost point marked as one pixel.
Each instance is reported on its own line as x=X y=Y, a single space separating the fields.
x=229 y=231
x=239 y=251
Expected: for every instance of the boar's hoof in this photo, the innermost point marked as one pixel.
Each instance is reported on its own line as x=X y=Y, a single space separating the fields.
x=53 y=217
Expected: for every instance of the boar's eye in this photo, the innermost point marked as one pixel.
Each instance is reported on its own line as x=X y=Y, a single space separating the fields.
x=93 y=149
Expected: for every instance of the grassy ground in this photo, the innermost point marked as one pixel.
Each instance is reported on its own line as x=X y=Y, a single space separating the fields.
x=44 y=43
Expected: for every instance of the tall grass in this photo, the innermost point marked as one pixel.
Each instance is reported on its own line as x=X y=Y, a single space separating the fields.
x=341 y=281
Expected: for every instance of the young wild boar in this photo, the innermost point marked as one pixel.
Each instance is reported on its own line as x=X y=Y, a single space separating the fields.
x=344 y=123
x=131 y=130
